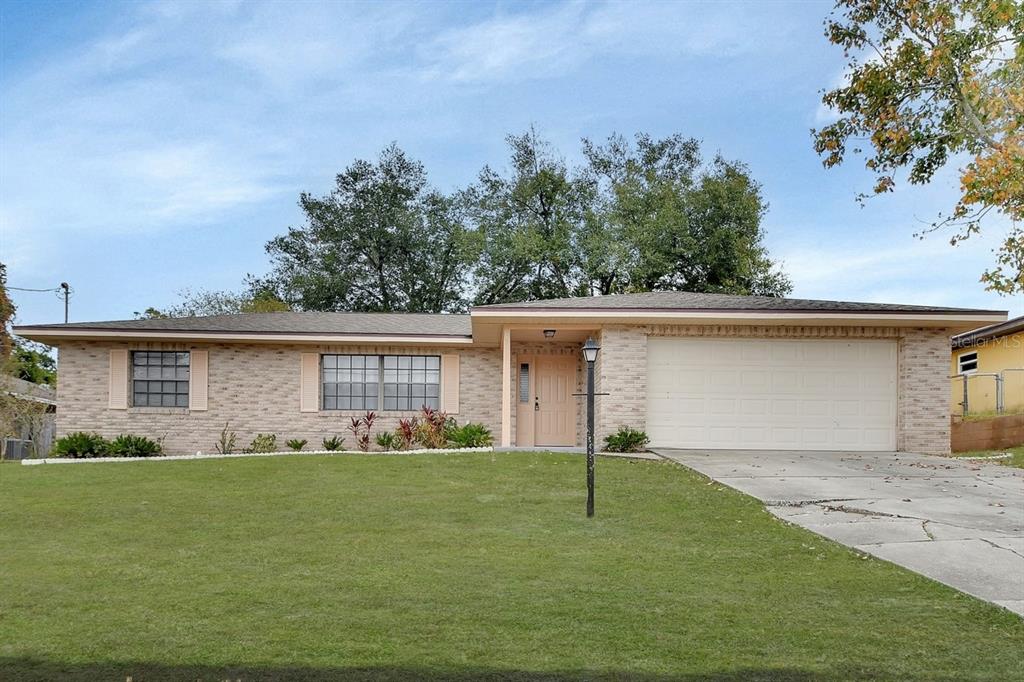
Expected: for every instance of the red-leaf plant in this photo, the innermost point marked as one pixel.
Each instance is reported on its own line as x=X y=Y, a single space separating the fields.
x=360 y=428
x=432 y=429
x=406 y=432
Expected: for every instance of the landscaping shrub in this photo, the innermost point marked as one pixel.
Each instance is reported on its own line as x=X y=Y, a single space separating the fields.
x=80 y=445
x=226 y=444
x=432 y=428
x=470 y=435
x=388 y=441
x=333 y=443
x=296 y=444
x=405 y=432
x=626 y=440
x=263 y=442
x=127 y=445
x=360 y=428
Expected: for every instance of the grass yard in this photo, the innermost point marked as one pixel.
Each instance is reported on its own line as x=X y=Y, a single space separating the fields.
x=460 y=567
x=1016 y=458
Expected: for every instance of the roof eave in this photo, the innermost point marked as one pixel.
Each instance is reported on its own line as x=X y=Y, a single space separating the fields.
x=992 y=331
x=52 y=335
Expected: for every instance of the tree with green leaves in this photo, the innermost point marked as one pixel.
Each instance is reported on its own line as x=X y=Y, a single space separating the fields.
x=382 y=240
x=640 y=216
x=203 y=302
x=526 y=223
x=934 y=82
x=7 y=311
x=662 y=219
x=31 y=362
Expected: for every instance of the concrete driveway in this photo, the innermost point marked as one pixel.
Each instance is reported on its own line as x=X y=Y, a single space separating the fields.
x=957 y=522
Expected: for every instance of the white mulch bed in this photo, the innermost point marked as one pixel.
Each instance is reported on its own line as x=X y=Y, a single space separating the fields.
x=980 y=458
x=217 y=455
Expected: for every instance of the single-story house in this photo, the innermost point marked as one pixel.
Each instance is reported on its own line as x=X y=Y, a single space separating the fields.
x=989 y=362
x=693 y=370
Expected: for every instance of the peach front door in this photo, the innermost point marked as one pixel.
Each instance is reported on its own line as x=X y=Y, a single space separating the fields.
x=555 y=422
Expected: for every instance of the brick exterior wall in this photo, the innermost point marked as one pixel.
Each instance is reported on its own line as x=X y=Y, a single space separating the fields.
x=922 y=414
x=254 y=388
x=621 y=371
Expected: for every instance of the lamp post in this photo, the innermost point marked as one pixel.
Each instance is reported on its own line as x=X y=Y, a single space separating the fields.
x=590 y=349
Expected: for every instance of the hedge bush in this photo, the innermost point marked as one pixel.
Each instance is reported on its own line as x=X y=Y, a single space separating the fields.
x=80 y=445
x=470 y=435
x=626 y=440
x=128 y=445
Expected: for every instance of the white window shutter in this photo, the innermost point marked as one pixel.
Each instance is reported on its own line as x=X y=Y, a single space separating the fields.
x=198 y=380
x=118 y=383
x=309 y=377
x=450 y=384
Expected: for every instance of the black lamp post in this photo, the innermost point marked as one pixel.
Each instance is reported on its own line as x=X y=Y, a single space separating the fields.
x=590 y=349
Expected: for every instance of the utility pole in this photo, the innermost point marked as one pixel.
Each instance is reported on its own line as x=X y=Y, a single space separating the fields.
x=66 y=294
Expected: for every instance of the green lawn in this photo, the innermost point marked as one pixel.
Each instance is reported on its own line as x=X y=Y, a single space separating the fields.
x=1016 y=458
x=452 y=567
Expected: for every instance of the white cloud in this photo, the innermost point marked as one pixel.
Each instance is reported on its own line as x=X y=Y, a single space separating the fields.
x=565 y=37
x=898 y=269
x=509 y=46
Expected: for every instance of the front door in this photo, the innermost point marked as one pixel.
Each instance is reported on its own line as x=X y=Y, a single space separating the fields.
x=555 y=405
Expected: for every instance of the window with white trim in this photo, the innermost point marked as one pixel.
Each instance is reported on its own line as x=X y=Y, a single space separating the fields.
x=380 y=382
x=160 y=378
x=524 y=382
x=967 y=363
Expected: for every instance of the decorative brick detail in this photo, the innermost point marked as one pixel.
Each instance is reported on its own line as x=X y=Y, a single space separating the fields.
x=254 y=388
x=776 y=332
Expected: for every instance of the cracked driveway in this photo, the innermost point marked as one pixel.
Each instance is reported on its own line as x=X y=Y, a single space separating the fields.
x=957 y=522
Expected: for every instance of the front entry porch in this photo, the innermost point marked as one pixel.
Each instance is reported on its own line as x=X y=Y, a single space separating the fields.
x=542 y=369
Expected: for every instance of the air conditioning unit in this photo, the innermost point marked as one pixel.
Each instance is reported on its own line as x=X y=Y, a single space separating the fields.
x=16 y=448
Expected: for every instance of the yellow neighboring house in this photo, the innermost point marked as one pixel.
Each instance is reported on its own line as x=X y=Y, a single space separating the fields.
x=985 y=358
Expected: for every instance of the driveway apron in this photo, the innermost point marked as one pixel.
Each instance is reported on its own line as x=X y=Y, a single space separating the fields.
x=958 y=522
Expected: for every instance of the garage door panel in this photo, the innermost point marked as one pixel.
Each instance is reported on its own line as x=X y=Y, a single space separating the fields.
x=755 y=406
x=754 y=380
x=772 y=393
x=814 y=408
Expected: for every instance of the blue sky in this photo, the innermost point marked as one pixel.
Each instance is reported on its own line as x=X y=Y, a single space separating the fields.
x=150 y=147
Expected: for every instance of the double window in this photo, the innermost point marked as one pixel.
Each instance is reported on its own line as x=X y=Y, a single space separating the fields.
x=967 y=363
x=374 y=382
x=160 y=378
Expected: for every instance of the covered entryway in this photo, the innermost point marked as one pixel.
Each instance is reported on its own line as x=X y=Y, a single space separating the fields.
x=772 y=394
x=546 y=406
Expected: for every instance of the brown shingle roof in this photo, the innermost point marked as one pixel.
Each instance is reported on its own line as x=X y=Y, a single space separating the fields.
x=413 y=324
x=684 y=300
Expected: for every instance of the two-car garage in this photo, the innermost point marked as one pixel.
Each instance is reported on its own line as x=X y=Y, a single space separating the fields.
x=772 y=394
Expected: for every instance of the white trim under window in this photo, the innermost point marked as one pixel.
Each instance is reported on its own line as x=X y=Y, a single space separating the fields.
x=967 y=363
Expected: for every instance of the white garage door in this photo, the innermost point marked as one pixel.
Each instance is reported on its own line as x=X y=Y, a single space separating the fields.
x=771 y=394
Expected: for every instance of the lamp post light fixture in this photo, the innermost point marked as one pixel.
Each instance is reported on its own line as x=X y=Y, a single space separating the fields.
x=590 y=350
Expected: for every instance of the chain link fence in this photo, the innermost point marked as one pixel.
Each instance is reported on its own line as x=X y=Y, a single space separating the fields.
x=979 y=393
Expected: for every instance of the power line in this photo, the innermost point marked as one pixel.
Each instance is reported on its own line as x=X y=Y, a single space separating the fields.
x=63 y=290
x=41 y=290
